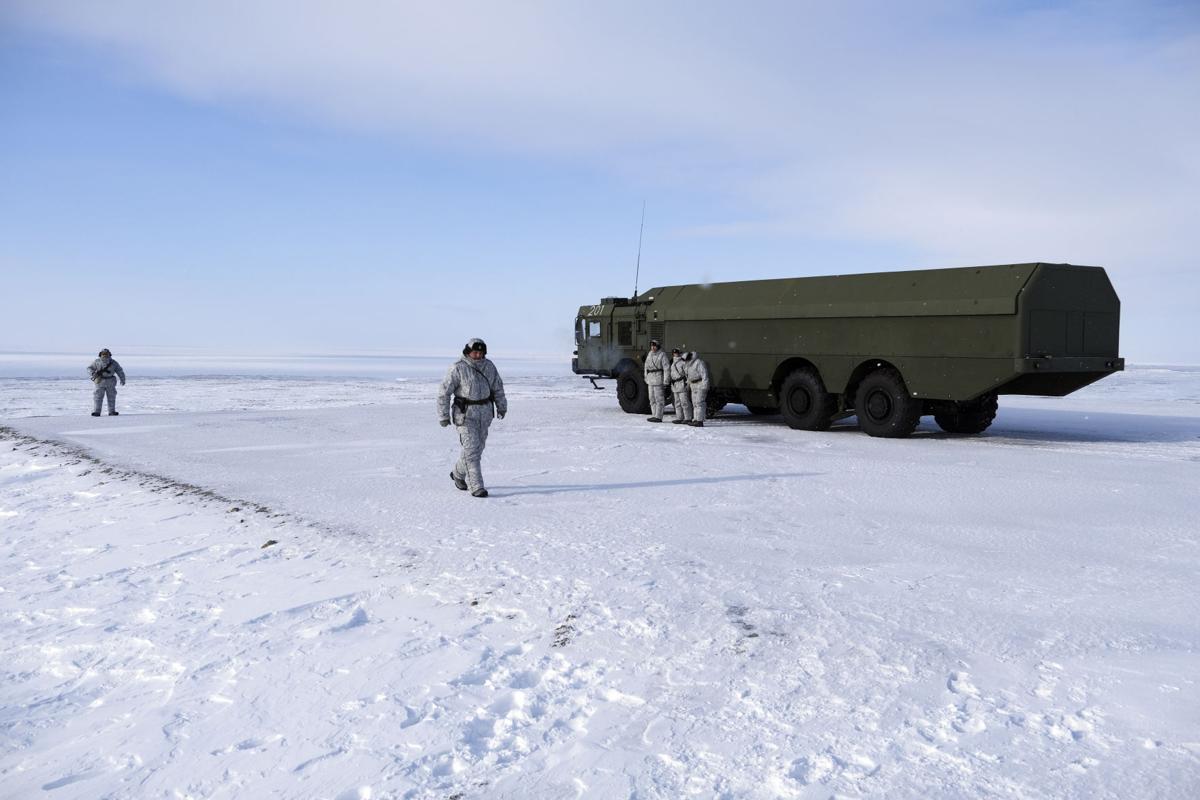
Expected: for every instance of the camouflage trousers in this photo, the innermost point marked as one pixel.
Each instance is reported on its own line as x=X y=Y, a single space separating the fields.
x=683 y=404
x=658 y=400
x=472 y=433
x=699 y=402
x=105 y=389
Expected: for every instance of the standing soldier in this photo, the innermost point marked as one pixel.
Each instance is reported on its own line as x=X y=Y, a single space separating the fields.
x=679 y=388
x=656 y=370
x=697 y=375
x=105 y=371
x=472 y=386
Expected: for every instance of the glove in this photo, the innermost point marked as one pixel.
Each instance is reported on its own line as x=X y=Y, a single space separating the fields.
x=445 y=423
x=122 y=383
x=500 y=414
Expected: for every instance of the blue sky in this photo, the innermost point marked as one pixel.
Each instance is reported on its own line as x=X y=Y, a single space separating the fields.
x=379 y=176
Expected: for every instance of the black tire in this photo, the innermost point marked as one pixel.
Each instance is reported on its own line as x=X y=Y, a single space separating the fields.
x=761 y=411
x=632 y=393
x=884 y=406
x=973 y=417
x=804 y=402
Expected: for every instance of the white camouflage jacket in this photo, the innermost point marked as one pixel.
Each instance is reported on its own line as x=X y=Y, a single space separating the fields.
x=105 y=373
x=471 y=380
x=697 y=372
x=678 y=373
x=656 y=369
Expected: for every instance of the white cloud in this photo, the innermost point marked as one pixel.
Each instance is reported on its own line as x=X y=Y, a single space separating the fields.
x=968 y=132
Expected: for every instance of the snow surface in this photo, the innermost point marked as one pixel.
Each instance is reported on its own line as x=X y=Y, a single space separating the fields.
x=638 y=610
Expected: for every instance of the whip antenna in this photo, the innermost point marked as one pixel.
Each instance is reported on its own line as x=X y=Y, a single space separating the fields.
x=638 y=270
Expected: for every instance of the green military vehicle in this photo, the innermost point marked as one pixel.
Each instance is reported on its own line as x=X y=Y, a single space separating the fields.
x=887 y=347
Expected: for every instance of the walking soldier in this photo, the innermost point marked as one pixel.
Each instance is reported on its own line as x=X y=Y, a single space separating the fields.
x=105 y=371
x=470 y=392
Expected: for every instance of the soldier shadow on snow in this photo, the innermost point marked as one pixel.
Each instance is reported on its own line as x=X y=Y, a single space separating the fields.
x=1032 y=426
x=559 y=488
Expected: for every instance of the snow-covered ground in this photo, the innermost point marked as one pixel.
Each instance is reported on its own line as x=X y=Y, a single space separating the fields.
x=638 y=610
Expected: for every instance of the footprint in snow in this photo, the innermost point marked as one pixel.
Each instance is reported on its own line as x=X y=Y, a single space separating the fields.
x=737 y=617
x=357 y=619
x=565 y=632
x=960 y=683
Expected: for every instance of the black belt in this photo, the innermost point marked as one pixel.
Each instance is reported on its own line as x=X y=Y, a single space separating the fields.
x=654 y=370
x=462 y=402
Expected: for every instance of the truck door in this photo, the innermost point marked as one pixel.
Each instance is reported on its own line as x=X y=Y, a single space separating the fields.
x=591 y=334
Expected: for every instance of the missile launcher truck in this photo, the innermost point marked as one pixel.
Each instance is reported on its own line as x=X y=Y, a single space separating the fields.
x=887 y=347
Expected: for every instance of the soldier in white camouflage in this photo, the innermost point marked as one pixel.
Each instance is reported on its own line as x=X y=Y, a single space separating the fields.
x=679 y=390
x=104 y=372
x=655 y=370
x=698 y=385
x=470 y=396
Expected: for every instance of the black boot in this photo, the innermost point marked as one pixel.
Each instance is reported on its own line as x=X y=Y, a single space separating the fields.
x=95 y=413
x=114 y=413
x=479 y=493
x=653 y=419
x=459 y=482
x=697 y=423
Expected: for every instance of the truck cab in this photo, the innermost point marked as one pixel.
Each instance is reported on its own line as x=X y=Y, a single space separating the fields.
x=610 y=337
x=611 y=341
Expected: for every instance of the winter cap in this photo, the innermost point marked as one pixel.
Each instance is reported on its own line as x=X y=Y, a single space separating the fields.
x=676 y=350
x=475 y=344
x=105 y=352
x=655 y=343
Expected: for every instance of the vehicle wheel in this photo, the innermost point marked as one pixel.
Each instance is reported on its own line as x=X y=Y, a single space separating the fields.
x=973 y=417
x=804 y=402
x=632 y=393
x=762 y=410
x=884 y=406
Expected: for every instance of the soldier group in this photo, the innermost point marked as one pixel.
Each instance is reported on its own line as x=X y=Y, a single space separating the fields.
x=687 y=375
x=471 y=396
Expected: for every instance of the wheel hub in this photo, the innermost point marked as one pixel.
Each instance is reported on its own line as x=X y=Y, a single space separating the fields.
x=799 y=401
x=879 y=405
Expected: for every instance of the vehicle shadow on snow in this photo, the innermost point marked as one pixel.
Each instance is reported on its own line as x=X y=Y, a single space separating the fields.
x=1036 y=426
x=559 y=488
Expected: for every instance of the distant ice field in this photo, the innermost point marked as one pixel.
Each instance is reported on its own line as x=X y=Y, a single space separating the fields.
x=175 y=362
x=53 y=384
